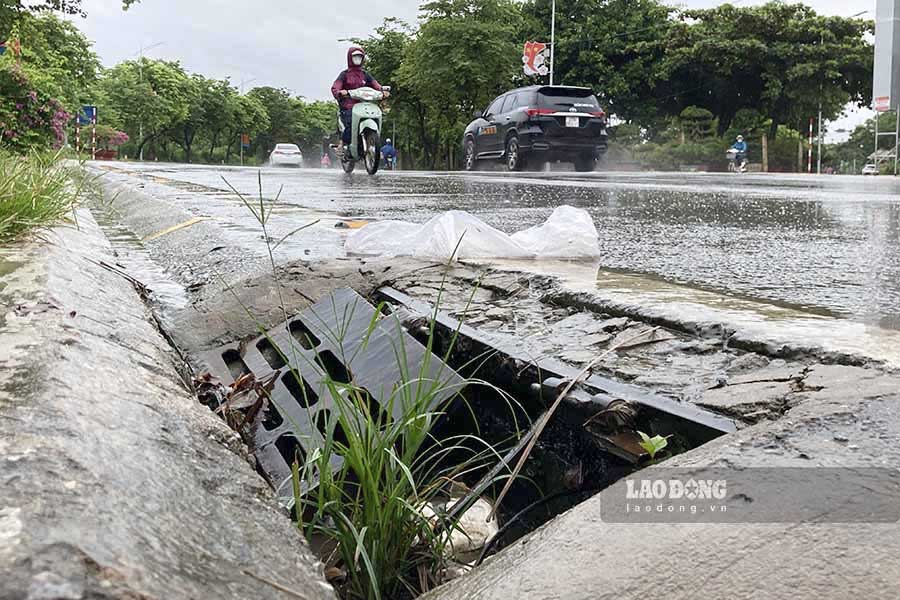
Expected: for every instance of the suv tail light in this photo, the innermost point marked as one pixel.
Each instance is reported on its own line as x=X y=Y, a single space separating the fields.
x=599 y=113
x=536 y=112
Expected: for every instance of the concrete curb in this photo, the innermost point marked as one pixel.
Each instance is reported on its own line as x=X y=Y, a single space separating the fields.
x=114 y=481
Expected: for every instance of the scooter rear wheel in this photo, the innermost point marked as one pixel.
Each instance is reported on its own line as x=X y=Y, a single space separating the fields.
x=373 y=151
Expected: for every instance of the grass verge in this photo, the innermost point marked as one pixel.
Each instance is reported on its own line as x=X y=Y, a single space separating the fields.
x=37 y=191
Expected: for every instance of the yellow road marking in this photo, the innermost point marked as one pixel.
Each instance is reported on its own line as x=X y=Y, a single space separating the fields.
x=187 y=223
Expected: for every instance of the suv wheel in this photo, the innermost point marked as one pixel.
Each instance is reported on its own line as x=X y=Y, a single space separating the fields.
x=514 y=159
x=584 y=164
x=469 y=156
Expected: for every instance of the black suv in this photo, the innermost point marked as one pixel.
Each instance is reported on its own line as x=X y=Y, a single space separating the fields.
x=534 y=125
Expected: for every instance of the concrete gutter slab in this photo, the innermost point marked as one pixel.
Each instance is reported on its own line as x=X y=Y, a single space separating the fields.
x=114 y=481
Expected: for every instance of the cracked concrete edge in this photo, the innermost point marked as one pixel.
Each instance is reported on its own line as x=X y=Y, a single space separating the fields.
x=848 y=421
x=114 y=481
x=710 y=329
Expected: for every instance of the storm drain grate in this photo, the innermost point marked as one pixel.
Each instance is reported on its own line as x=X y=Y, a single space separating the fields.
x=343 y=338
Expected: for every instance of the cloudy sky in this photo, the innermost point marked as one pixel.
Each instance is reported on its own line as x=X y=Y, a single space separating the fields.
x=282 y=43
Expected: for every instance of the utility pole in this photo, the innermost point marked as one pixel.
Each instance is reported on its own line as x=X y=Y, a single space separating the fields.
x=552 y=39
x=819 y=165
x=141 y=80
x=819 y=160
x=809 y=163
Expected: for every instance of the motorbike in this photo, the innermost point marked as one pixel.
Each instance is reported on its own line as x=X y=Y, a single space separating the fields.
x=389 y=163
x=366 y=130
x=737 y=161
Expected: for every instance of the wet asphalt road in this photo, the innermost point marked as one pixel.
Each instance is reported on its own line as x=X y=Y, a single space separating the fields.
x=827 y=244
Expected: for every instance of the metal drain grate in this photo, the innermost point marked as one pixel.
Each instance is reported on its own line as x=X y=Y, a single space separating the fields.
x=340 y=337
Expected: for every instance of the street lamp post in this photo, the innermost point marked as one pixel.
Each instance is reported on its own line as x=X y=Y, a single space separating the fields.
x=552 y=39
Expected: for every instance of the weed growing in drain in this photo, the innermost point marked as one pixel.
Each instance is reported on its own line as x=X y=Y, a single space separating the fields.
x=361 y=494
x=377 y=469
x=36 y=191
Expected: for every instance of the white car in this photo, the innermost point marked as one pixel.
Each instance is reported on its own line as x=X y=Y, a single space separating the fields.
x=286 y=155
x=870 y=169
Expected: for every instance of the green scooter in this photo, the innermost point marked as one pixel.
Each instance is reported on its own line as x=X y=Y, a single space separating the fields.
x=366 y=130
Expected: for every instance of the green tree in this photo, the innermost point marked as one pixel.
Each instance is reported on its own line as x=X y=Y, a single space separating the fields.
x=281 y=109
x=57 y=57
x=615 y=47
x=465 y=53
x=146 y=95
x=250 y=117
x=385 y=52
x=43 y=81
x=12 y=10
x=779 y=59
x=697 y=123
x=316 y=121
x=861 y=143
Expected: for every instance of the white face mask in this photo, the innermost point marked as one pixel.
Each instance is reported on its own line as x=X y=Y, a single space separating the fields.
x=357 y=59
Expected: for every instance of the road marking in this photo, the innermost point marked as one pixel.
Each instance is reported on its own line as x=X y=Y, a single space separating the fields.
x=187 y=223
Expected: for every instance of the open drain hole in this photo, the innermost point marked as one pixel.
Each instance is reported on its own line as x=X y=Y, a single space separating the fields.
x=303 y=335
x=324 y=423
x=299 y=389
x=270 y=353
x=371 y=408
x=273 y=419
x=236 y=365
x=290 y=449
x=335 y=368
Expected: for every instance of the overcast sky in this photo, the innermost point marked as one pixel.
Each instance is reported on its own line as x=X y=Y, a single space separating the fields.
x=283 y=43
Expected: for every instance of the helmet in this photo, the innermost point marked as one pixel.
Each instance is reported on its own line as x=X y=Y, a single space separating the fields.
x=740 y=138
x=387 y=141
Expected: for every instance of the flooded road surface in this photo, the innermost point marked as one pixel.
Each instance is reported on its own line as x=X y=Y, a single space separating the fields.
x=825 y=245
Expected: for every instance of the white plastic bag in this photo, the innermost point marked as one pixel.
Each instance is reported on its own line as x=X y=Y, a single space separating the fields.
x=568 y=233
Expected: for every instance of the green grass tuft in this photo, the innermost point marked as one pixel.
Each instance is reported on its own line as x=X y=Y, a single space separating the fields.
x=37 y=191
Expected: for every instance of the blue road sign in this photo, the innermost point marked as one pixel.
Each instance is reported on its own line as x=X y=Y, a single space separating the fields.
x=87 y=115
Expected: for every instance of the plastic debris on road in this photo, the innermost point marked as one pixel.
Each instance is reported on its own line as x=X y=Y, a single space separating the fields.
x=568 y=233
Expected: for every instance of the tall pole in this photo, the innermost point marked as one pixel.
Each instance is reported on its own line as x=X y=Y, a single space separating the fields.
x=94 y=135
x=896 y=140
x=819 y=165
x=552 y=39
x=141 y=126
x=877 y=115
x=809 y=160
x=819 y=152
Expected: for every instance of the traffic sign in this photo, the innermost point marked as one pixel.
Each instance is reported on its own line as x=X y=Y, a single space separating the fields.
x=87 y=115
x=886 y=80
x=245 y=140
